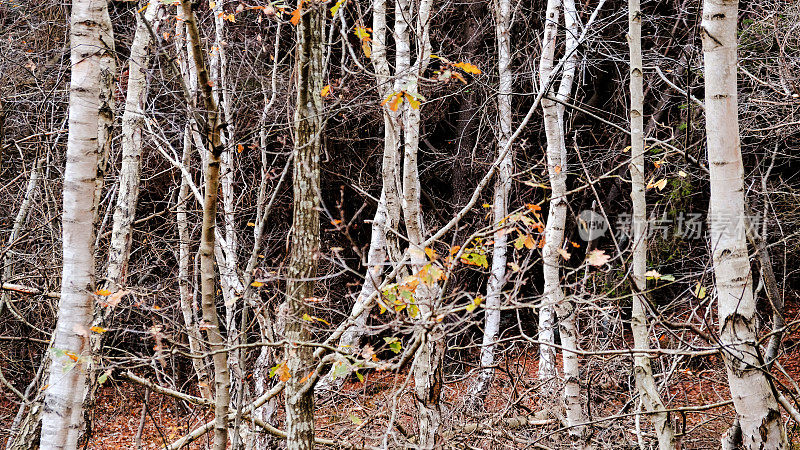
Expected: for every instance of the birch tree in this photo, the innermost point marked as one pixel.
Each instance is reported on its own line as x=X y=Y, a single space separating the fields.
x=502 y=189
x=132 y=125
x=556 y=218
x=753 y=395
x=383 y=245
x=645 y=382
x=92 y=43
x=555 y=299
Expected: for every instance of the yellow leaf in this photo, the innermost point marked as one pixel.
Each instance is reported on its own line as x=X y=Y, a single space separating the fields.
x=564 y=254
x=700 y=291
x=367 y=48
x=256 y=284
x=661 y=184
x=626 y=149
x=412 y=101
x=308 y=318
x=143 y=8
x=652 y=274
x=103 y=292
x=363 y=33
x=682 y=174
x=475 y=303
x=529 y=244
x=335 y=8
x=514 y=267
x=99 y=330
x=326 y=91
x=251 y=224
x=431 y=253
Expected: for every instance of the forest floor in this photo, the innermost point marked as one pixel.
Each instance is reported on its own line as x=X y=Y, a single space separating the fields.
x=363 y=408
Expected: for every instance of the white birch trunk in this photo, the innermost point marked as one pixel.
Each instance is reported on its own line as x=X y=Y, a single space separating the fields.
x=556 y=220
x=426 y=368
x=92 y=41
x=554 y=230
x=645 y=383
x=129 y=174
x=384 y=245
x=502 y=188
x=756 y=406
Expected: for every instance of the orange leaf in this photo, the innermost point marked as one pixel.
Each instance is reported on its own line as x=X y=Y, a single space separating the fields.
x=98 y=330
x=395 y=103
x=239 y=148
x=103 y=292
x=468 y=68
x=71 y=355
x=458 y=77
x=431 y=253
x=296 y=14
x=529 y=242
x=283 y=373
x=533 y=207
x=326 y=91
x=557 y=169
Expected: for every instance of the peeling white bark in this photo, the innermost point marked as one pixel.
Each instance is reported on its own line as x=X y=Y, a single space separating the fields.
x=92 y=41
x=645 y=383
x=502 y=188
x=756 y=406
x=554 y=229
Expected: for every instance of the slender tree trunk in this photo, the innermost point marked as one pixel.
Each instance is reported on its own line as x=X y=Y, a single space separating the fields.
x=305 y=235
x=426 y=368
x=208 y=277
x=129 y=174
x=645 y=383
x=502 y=188
x=188 y=296
x=92 y=42
x=554 y=230
x=753 y=396
x=383 y=245
x=16 y=229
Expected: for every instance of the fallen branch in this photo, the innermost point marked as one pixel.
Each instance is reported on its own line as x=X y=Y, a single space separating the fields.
x=130 y=376
x=28 y=290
